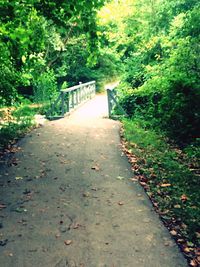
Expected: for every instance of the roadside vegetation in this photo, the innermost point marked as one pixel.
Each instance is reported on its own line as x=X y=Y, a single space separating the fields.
x=170 y=177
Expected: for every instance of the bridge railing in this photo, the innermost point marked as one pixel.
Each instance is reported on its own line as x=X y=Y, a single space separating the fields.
x=114 y=108
x=71 y=98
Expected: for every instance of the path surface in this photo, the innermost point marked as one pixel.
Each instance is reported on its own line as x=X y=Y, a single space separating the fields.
x=70 y=202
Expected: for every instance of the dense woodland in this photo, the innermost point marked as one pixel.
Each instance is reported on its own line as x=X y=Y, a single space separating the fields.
x=153 y=48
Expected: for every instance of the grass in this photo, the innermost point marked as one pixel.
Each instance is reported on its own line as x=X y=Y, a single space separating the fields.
x=15 y=122
x=173 y=186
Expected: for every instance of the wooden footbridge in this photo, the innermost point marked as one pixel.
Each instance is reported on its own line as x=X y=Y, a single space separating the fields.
x=71 y=98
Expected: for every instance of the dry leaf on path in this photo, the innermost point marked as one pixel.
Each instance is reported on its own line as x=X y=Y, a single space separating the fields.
x=143 y=183
x=18 y=178
x=169 y=243
x=76 y=226
x=2 y=206
x=96 y=168
x=68 y=242
x=134 y=179
x=86 y=194
x=120 y=177
x=94 y=189
x=57 y=235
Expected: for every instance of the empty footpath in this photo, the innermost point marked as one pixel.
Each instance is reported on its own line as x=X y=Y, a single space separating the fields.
x=67 y=200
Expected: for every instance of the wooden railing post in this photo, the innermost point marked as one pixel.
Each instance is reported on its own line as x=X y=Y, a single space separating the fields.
x=68 y=103
x=62 y=103
x=113 y=102
x=72 y=93
x=109 y=103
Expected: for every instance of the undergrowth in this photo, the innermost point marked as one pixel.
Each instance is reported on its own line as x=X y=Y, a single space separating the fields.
x=171 y=179
x=15 y=123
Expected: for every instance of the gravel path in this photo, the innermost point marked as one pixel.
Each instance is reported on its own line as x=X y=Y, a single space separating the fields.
x=66 y=199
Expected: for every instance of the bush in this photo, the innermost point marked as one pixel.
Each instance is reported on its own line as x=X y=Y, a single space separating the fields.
x=172 y=106
x=9 y=77
x=45 y=89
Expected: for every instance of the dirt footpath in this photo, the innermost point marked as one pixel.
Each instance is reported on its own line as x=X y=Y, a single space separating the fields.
x=66 y=199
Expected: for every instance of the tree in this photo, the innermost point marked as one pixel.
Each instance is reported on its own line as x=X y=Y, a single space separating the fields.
x=36 y=35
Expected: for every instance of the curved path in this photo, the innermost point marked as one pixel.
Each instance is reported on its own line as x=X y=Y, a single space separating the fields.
x=66 y=199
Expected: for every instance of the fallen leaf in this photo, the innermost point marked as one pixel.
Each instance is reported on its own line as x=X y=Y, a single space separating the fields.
x=134 y=179
x=2 y=206
x=186 y=250
x=143 y=183
x=177 y=206
x=173 y=232
x=94 y=189
x=169 y=243
x=57 y=235
x=63 y=161
x=165 y=185
x=197 y=251
x=76 y=226
x=184 y=226
x=18 y=178
x=68 y=242
x=184 y=197
x=193 y=263
x=86 y=194
x=96 y=168
x=120 y=177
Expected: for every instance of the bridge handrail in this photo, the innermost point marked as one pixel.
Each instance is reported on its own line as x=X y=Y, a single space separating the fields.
x=71 y=97
x=114 y=102
x=77 y=87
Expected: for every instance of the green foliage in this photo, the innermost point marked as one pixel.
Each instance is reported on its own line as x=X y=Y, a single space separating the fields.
x=163 y=67
x=45 y=87
x=36 y=38
x=193 y=152
x=173 y=108
x=9 y=78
